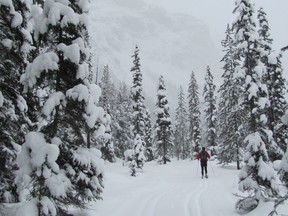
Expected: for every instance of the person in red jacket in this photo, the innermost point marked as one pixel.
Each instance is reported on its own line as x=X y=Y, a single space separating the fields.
x=203 y=156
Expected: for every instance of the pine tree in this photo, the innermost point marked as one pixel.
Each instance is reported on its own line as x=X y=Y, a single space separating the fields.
x=15 y=45
x=58 y=78
x=181 y=145
x=230 y=116
x=275 y=82
x=138 y=107
x=163 y=138
x=210 y=110
x=194 y=114
x=257 y=176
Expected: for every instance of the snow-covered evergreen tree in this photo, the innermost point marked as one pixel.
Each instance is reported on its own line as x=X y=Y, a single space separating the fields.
x=59 y=78
x=139 y=151
x=257 y=175
x=230 y=117
x=163 y=133
x=107 y=99
x=122 y=134
x=275 y=82
x=139 y=112
x=139 y=109
x=149 y=136
x=105 y=140
x=210 y=111
x=283 y=171
x=182 y=148
x=40 y=173
x=15 y=43
x=194 y=114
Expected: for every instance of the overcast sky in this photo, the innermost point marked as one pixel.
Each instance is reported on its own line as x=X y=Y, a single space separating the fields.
x=217 y=13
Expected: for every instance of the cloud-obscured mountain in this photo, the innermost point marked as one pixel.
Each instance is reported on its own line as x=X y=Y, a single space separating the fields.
x=171 y=45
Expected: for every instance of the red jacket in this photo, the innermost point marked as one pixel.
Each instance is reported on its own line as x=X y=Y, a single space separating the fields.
x=199 y=155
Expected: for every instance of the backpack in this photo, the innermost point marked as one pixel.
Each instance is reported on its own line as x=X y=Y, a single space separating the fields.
x=203 y=155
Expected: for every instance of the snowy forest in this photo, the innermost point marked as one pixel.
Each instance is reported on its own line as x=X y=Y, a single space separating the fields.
x=63 y=118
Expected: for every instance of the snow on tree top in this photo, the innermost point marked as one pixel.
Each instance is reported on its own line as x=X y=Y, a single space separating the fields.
x=47 y=206
x=21 y=104
x=17 y=20
x=43 y=62
x=79 y=92
x=59 y=184
x=265 y=171
x=7 y=43
x=83 y=71
x=54 y=11
x=53 y=101
x=72 y=52
x=272 y=59
x=7 y=3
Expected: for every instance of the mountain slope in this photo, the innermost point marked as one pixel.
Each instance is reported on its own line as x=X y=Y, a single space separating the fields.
x=171 y=45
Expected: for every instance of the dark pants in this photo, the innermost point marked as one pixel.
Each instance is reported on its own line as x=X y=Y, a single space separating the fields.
x=203 y=167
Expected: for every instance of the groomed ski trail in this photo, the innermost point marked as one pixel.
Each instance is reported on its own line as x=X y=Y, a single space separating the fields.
x=174 y=189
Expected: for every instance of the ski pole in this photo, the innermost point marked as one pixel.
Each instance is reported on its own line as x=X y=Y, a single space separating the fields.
x=212 y=167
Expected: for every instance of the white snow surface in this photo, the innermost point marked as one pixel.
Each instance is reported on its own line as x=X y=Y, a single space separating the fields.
x=172 y=189
x=165 y=190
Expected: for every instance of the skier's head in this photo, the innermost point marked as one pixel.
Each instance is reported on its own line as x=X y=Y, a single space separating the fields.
x=203 y=148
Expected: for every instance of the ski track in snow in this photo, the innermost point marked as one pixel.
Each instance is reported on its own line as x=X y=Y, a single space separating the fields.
x=174 y=189
x=195 y=199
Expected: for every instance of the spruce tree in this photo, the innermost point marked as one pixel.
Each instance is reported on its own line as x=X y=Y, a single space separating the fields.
x=107 y=101
x=273 y=78
x=138 y=107
x=230 y=117
x=254 y=177
x=283 y=172
x=181 y=144
x=15 y=45
x=210 y=111
x=58 y=78
x=149 y=136
x=105 y=140
x=122 y=134
x=194 y=114
x=163 y=138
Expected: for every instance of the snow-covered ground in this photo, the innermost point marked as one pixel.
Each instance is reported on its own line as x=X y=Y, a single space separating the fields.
x=174 y=189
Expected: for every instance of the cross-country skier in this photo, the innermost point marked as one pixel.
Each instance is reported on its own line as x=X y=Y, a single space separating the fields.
x=203 y=156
